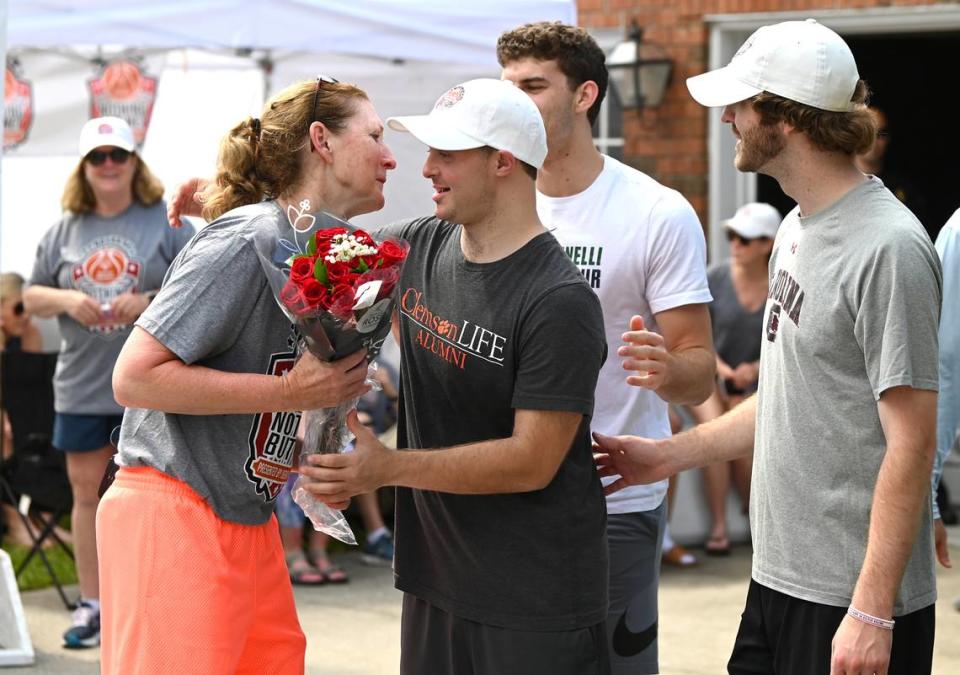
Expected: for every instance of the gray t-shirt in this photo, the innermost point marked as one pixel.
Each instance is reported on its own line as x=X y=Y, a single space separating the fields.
x=103 y=257
x=217 y=310
x=852 y=311
x=736 y=330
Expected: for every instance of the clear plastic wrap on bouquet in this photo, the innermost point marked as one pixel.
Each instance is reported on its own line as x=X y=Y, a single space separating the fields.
x=335 y=283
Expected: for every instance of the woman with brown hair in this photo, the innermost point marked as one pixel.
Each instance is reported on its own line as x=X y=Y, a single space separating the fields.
x=96 y=271
x=199 y=583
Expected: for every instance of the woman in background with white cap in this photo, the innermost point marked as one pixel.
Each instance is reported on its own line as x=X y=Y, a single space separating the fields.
x=96 y=271
x=739 y=289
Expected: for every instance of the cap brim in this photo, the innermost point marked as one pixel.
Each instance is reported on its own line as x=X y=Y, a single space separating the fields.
x=432 y=131
x=719 y=88
x=111 y=141
x=741 y=228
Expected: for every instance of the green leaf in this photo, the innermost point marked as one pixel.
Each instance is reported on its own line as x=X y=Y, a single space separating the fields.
x=312 y=245
x=320 y=272
x=289 y=262
x=362 y=267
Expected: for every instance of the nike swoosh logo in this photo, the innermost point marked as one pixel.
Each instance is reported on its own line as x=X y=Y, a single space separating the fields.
x=628 y=643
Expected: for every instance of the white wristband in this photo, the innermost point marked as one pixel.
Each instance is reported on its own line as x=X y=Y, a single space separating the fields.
x=869 y=619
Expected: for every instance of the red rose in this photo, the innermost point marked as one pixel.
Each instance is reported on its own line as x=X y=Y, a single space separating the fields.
x=388 y=278
x=301 y=269
x=292 y=299
x=392 y=252
x=364 y=238
x=314 y=293
x=337 y=272
x=341 y=302
x=323 y=237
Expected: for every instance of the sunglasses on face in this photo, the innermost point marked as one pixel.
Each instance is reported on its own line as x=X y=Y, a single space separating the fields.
x=18 y=308
x=746 y=241
x=116 y=155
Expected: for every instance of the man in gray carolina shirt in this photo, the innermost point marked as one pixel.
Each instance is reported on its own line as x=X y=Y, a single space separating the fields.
x=844 y=421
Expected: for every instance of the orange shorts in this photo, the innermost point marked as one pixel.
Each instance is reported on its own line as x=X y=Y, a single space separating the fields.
x=183 y=591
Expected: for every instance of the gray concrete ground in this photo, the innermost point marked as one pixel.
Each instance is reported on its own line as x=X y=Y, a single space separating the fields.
x=355 y=628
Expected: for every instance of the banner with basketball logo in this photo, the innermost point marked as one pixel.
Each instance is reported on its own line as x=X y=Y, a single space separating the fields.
x=48 y=96
x=17 y=107
x=124 y=90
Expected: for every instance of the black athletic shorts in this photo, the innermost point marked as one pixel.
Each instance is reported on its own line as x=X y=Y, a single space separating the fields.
x=434 y=642
x=783 y=635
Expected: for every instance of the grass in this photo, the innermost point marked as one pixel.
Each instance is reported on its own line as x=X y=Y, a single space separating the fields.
x=35 y=576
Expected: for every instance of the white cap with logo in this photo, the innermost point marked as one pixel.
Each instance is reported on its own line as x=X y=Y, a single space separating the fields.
x=106 y=131
x=755 y=219
x=478 y=113
x=803 y=61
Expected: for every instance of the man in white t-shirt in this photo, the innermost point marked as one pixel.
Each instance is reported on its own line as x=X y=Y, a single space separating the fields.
x=641 y=248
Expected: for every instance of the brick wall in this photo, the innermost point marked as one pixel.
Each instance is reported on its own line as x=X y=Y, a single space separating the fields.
x=670 y=143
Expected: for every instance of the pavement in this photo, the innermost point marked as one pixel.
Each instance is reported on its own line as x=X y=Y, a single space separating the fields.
x=355 y=628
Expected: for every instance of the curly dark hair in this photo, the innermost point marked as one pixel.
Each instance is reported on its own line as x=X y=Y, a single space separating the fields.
x=577 y=54
x=851 y=133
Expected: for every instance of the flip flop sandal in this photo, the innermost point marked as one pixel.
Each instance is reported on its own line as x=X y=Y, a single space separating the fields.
x=717 y=546
x=302 y=573
x=332 y=573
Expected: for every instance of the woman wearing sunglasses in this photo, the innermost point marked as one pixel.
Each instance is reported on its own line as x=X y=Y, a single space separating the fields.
x=96 y=271
x=200 y=583
x=17 y=332
x=739 y=290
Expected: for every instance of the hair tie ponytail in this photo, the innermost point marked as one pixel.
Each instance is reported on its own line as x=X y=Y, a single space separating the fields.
x=255 y=126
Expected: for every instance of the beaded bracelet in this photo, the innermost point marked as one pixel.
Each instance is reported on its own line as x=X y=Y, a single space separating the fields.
x=886 y=624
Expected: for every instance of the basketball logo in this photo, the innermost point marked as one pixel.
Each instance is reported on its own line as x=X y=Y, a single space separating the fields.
x=18 y=108
x=121 y=80
x=105 y=266
x=124 y=90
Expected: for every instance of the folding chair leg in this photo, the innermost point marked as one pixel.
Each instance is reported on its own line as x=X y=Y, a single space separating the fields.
x=53 y=576
x=37 y=549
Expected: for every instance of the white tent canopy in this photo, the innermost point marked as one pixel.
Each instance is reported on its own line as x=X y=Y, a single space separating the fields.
x=447 y=31
x=403 y=53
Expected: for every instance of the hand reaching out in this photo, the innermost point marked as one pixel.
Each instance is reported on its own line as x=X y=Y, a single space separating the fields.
x=187 y=200
x=636 y=460
x=335 y=478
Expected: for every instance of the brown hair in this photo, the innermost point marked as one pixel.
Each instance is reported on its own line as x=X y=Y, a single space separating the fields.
x=528 y=169
x=11 y=283
x=78 y=196
x=850 y=133
x=577 y=54
x=260 y=159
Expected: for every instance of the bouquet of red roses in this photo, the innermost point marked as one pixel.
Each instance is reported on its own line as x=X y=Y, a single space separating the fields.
x=346 y=275
x=335 y=282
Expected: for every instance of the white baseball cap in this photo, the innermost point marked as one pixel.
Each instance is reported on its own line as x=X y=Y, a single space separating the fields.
x=803 y=61
x=106 y=131
x=755 y=219
x=478 y=113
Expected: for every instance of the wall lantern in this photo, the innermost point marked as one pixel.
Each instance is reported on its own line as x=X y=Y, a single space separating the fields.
x=639 y=70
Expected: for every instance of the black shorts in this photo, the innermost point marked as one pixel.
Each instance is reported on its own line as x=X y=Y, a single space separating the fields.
x=434 y=642
x=783 y=635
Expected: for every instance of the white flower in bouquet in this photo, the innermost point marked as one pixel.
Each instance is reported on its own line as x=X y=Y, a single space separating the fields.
x=346 y=247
